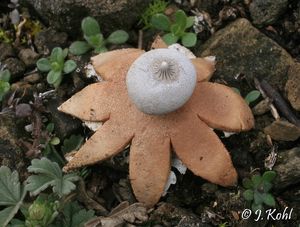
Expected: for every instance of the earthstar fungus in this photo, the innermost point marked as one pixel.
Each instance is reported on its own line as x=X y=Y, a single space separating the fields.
x=186 y=130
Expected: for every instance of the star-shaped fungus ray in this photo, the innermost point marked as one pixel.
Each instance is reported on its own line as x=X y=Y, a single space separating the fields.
x=221 y=108
x=114 y=64
x=90 y=104
x=108 y=141
x=149 y=165
x=199 y=148
x=204 y=68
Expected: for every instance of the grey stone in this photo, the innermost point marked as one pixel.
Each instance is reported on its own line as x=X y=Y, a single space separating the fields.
x=282 y=130
x=66 y=15
x=292 y=86
x=28 y=56
x=241 y=49
x=264 y=12
x=47 y=39
x=23 y=110
x=261 y=108
x=16 y=67
x=32 y=78
x=287 y=168
x=6 y=51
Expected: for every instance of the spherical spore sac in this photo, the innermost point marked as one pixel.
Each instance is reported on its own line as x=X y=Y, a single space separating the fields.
x=161 y=81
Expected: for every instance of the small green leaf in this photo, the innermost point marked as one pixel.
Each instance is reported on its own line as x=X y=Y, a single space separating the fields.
x=256 y=180
x=55 y=66
x=176 y=30
x=252 y=96
x=72 y=143
x=269 y=176
x=69 y=66
x=189 y=39
x=269 y=200
x=90 y=26
x=74 y=215
x=49 y=174
x=57 y=83
x=118 y=37
x=95 y=40
x=5 y=215
x=57 y=55
x=16 y=223
x=247 y=183
x=248 y=195
x=99 y=50
x=53 y=76
x=267 y=186
x=10 y=187
x=43 y=65
x=11 y=194
x=169 y=38
x=4 y=88
x=55 y=141
x=65 y=52
x=258 y=197
x=255 y=207
x=181 y=19
x=79 y=47
x=161 y=22
x=5 y=75
x=190 y=22
x=50 y=127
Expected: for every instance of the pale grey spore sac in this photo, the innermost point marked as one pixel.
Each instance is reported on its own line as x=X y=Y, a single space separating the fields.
x=160 y=81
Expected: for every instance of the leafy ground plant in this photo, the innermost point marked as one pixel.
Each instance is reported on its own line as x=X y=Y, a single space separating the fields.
x=73 y=215
x=49 y=144
x=41 y=212
x=157 y=6
x=4 y=83
x=257 y=190
x=56 y=66
x=5 y=37
x=73 y=143
x=12 y=194
x=94 y=38
x=47 y=209
x=49 y=174
x=176 y=29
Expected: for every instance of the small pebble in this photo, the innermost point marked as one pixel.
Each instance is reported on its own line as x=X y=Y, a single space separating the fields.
x=261 y=108
x=28 y=56
x=32 y=78
x=282 y=130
